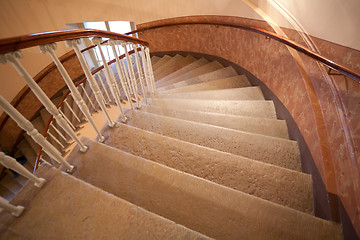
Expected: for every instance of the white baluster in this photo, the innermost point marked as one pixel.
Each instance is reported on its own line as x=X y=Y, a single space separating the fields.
x=131 y=73
x=94 y=86
x=12 y=164
x=15 y=210
x=67 y=120
x=139 y=69
x=71 y=110
x=56 y=140
x=146 y=69
x=111 y=82
x=29 y=128
x=50 y=107
x=87 y=95
x=152 y=79
x=58 y=132
x=127 y=76
x=121 y=74
x=74 y=91
x=103 y=86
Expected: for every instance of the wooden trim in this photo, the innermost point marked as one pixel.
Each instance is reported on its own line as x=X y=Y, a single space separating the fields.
x=32 y=40
x=298 y=47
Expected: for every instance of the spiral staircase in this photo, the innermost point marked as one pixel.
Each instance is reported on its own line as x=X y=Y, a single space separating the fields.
x=205 y=157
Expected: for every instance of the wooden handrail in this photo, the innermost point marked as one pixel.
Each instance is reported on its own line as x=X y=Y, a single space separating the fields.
x=33 y=40
x=298 y=47
x=63 y=99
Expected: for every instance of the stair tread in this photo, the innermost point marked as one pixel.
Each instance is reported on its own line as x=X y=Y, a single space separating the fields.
x=270 y=127
x=174 y=67
x=163 y=60
x=155 y=59
x=198 y=63
x=201 y=205
x=86 y=212
x=210 y=76
x=249 y=108
x=293 y=188
x=247 y=93
x=204 y=69
x=173 y=61
x=277 y=151
x=224 y=83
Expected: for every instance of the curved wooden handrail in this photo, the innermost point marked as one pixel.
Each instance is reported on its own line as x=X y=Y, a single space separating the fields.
x=33 y=40
x=298 y=47
x=65 y=96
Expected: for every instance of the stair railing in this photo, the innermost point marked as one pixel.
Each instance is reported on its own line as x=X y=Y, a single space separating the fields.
x=10 y=51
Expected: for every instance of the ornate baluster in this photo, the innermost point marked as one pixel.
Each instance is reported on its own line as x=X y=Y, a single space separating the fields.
x=132 y=75
x=15 y=210
x=140 y=74
x=151 y=73
x=55 y=139
x=103 y=86
x=121 y=74
x=67 y=120
x=71 y=110
x=12 y=164
x=87 y=95
x=111 y=82
x=99 y=98
x=50 y=107
x=146 y=69
x=38 y=138
x=58 y=132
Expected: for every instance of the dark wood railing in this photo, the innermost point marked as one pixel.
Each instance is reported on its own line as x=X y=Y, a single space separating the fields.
x=34 y=40
x=298 y=47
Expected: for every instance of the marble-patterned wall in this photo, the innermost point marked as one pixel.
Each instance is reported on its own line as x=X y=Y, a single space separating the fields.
x=50 y=81
x=272 y=63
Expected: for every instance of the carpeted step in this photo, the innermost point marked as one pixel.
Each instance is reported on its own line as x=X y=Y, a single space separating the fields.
x=163 y=60
x=277 y=151
x=248 y=93
x=269 y=127
x=210 y=76
x=174 y=67
x=74 y=209
x=293 y=189
x=173 y=61
x=155 y=59
x=248 y=108
x=237 y=81
x=198 y=63
x=206 y=207
x=204 y=69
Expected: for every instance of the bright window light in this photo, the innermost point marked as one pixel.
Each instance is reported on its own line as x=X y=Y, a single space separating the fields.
x=120 y=26
x=95 y=25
